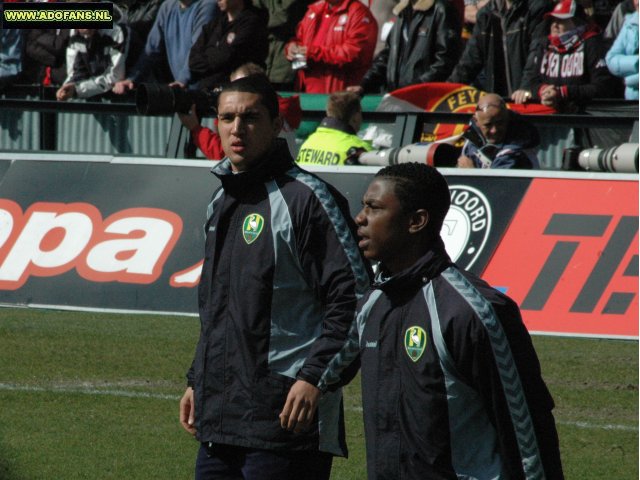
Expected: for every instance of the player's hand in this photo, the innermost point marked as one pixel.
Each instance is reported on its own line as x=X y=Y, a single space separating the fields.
x=465 y=162
x=521 y=96
x=187 y=411
x=300 y=407
x=66 y=91
x=549 y=96
x=177 y=83
x=291 y=49
x=122 y=87
x=189 y=120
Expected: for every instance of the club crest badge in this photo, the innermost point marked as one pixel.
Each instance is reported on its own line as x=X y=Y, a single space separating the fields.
x=466 y=228
x=252 y=227
x=415 y=341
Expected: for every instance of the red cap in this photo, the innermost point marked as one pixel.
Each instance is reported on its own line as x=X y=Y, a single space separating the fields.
x=563 y=10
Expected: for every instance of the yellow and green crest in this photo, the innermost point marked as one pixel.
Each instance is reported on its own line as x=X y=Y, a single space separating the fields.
x=415 y=341
x=252 y=227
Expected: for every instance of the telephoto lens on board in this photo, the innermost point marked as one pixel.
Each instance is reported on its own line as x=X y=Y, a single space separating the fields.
x=621 y=158
x=160 y=99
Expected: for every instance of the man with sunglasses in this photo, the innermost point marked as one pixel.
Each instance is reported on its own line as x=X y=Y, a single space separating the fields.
x=499 y=138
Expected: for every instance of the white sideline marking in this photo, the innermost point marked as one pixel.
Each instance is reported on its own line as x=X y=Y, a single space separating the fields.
x=90 y=390
x=592 y=426
x=626 y=428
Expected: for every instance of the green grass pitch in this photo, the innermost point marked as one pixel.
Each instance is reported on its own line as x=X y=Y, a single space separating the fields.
x=95 y=396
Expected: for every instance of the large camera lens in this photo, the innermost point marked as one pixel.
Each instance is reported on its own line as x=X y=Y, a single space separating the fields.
x=621 y=158
x=159 y=99
x=155 y=99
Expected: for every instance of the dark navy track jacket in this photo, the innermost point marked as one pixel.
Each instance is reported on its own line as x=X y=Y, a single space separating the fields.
x=451 y=383
x=277 y=296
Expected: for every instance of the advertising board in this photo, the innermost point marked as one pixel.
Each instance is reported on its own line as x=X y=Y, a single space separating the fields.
x=119 y=234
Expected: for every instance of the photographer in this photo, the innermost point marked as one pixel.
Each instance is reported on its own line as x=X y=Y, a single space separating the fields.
x=499 y=138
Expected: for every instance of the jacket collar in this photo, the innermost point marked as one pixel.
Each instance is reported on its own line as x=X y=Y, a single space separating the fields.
x=319 y=7
x=429 y=266
x=275 y=162
x=419 y=5
x=335 y=124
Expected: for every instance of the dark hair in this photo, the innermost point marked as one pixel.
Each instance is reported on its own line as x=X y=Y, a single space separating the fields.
x=258 y=84
x=418 y=185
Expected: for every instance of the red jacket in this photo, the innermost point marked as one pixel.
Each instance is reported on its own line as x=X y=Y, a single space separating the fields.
x=341 y=58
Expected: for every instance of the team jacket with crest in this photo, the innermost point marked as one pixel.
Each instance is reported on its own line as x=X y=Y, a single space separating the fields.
x=277 y=297
x=451 y=384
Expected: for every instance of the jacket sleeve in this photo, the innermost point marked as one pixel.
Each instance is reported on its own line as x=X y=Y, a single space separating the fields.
x=344 y=365
x=71 y=56
x=359 y=42
x=478 y=355
x=334 y=269
x=447 y=46
x=531 y=75
x=206 y=11
x=11 y=52
x=208 y=142
x=599 y=78
x=376 y=76
x=154 y=46
x=472 y=60
x=114 y=72
x=620 y=64
x=516 y=158
x=198 y=64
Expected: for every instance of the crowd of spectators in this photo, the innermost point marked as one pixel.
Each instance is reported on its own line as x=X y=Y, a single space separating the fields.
x=560 y=53
x=505 y=47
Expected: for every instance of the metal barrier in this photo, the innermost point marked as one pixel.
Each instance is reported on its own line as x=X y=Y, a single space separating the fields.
x=31 y=120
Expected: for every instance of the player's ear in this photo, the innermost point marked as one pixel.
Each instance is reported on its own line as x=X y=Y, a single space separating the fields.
x=418 y=220
x=277 y=124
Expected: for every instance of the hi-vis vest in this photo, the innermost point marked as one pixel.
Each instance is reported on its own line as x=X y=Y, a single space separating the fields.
x=328 y=146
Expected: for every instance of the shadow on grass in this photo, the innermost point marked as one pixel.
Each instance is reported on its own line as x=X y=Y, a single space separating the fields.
x=7 y=470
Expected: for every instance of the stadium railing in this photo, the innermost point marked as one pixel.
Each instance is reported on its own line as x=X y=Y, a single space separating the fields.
x=32 y=120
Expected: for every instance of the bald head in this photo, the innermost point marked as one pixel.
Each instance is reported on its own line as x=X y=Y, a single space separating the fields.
x=492 y=118
x=491 y=101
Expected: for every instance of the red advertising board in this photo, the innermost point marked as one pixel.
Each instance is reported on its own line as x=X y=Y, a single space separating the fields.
x=569 y=258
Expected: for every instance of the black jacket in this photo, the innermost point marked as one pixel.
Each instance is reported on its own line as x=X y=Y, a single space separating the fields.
x=500 y=45
x=45 y=48
x=451 y=383
x=277 y=296
x=223 y=46
x=579 y=71
x=429 y=54
x=138 y=17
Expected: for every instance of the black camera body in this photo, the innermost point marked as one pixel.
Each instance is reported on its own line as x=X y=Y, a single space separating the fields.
x=161 y=99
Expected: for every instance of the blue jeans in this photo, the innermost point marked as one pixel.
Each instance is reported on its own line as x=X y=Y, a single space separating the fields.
x=226 y=462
